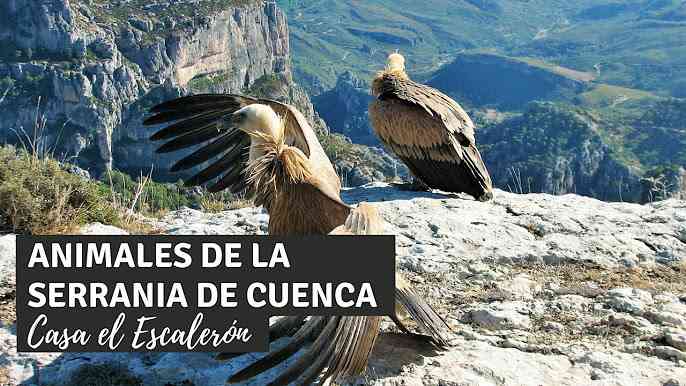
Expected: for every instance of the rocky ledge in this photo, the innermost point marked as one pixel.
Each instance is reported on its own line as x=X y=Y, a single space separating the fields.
x=541 y=290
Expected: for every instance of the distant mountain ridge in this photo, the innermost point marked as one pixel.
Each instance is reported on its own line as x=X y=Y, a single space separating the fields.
x=629 y=43
x=483 y=79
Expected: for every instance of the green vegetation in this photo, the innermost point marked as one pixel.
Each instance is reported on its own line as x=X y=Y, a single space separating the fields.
x=634 y=46
x=533 y=152
x=207 y=82
x=487 y=79
x=659 y=136
x=155 y=199
x=341 y=150
x=11 y=53
x=605 y=150
x=91 y=55
x=545 y=131
x=6 y=84
x=604 y=95
x=219 y=202
x=268 y=86
x=29 y=87
x=37 y=196
x=670 y=113
x=108 y=12
x=337 y=146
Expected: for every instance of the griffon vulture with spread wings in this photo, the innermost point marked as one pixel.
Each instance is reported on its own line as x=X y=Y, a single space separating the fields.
x=428 y=131
x=268 y=149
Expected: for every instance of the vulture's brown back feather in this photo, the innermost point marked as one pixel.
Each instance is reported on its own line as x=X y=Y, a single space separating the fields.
x=430 y=133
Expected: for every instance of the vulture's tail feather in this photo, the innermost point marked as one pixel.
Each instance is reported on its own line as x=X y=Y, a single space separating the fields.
x=310 y=328
x=354 y=343
x=428 y=321
x=282 y=327
x=469 y=176
x=477 y=168
x=315 y=359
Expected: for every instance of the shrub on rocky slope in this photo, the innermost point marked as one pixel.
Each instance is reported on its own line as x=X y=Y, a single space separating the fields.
x=38 y=196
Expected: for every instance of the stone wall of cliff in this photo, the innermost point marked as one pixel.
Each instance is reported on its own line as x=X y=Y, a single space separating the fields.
x=90 y=70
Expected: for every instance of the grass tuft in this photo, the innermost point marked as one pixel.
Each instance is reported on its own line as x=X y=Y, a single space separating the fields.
x=37 y=196
x=219 y=202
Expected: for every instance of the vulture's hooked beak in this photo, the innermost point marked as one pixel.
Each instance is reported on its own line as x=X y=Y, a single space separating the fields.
x=238 y=119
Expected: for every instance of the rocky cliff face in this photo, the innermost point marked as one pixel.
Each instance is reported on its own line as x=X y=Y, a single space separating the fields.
x=89 y=70
x=540 y=290
x=79 y=76
x=557 y=148
x=345 y=106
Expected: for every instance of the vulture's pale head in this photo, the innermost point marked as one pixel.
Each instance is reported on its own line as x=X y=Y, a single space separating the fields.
x=258 y=119
x=395 y=63
x=262 y=123
x=395 y=67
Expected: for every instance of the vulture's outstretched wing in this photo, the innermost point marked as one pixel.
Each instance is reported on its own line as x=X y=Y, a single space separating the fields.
x=342 y=345
x=431 y=133
x=204 y=120
x=339 y=346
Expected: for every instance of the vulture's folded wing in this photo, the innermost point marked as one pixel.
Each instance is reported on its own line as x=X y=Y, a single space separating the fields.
x=203 y=121
x=433 y=102
x=431 y=134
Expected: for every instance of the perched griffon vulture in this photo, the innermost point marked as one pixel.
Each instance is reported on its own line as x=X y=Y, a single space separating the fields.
x=428 y=131
x=268 y=149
